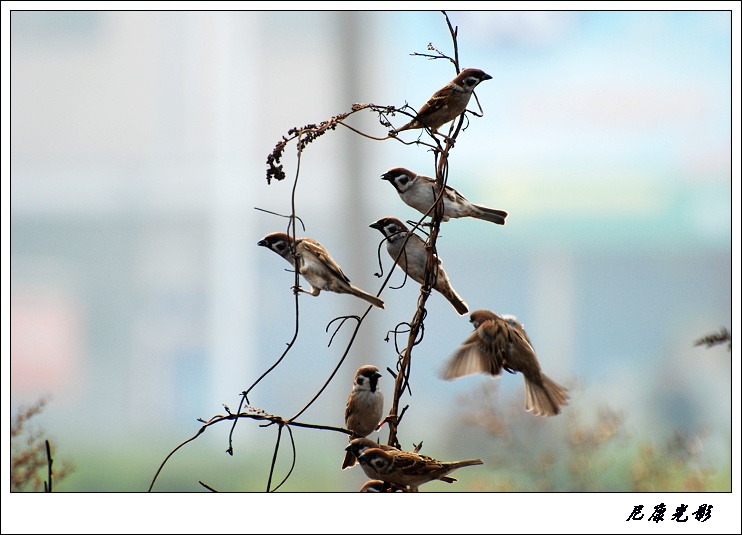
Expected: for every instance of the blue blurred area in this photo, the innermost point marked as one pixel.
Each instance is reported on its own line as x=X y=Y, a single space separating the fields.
x=140 y=300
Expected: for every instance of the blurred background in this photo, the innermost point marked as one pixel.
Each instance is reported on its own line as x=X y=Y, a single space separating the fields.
x=141 y=302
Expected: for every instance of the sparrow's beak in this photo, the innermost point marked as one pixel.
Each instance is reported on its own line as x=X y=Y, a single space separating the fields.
x=263 y=243
x=376 y=225
x=386 y=176
x=486 y=77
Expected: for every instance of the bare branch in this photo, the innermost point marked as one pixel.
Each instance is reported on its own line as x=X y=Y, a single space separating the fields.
x=253 y=414
x=440 y=145
x=281 y=215
x=48 y=487
x=207 y=487
x=293 y=460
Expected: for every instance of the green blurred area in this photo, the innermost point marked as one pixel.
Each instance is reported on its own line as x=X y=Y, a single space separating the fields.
x=574 y=452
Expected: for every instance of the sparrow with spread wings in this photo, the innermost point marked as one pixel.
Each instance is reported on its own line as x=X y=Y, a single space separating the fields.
x=501 y=342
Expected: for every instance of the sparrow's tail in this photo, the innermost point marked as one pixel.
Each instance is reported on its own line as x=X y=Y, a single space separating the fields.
x=468 y=462
x=413 y=124
x=455 y=465
x=367 y=297
x=490 y=214
x=545 y=399
x=449 y=293
x=349 y=460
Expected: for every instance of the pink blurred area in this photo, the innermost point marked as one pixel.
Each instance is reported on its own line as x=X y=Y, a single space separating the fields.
x=48 y=344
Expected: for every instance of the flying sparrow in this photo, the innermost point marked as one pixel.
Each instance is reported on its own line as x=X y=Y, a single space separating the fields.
x=405 y=468
x=420 y=192
x=413 y=258
x=316 y=266
x=501 y=342
x=448 y=102
x=365 y=407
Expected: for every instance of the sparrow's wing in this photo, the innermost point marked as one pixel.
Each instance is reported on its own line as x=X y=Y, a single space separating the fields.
x=475 y=355
x=453 y=196
x=511 y=343
x=518 y=326
x=438 y=101
x=348 y=409
x=315 y=248
x=519 y=354
x=410 y=464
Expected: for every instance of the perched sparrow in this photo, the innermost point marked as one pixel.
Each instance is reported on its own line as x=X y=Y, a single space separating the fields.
x=358 y=447
x=316 y=266
x=365 y=407
x=501 y=342
x=448 y=102
x=415 y=257
x=420 y=192
x=405 y=468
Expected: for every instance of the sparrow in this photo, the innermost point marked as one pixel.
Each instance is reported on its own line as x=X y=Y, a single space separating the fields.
x=405 y=468
x=414 y=258
x=448 y=102
x=420 y=192
x=365 y=407
x=315 y=265
x=358 y=446
x=501 y=342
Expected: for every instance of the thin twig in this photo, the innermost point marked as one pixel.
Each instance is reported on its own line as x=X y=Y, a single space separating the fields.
x=211 y=489
x=293 y=459
x=342 y=319
x=48 y=487
x=275 y=456
x=281 y=215
x=259 y=416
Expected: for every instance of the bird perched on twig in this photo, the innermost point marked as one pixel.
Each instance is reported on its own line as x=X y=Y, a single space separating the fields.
x=448 y=102
x=365 y=407
x=420 y=192
x=414 y=257
x=501 y=342
x=315 y=265
x=403 y=468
